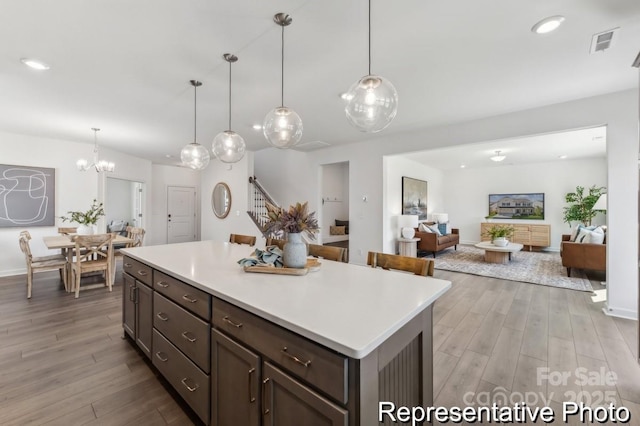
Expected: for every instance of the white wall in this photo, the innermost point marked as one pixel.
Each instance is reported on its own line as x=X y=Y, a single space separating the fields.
x=120 y=200
x=394 y=169
x=286 y=175
x=466 y=192
x=75 y=190
x=618 y=111
x=163 y=177
x=238 y=221
x=335 y=191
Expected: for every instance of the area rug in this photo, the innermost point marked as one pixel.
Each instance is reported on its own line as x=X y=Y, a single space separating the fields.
x=531 y=267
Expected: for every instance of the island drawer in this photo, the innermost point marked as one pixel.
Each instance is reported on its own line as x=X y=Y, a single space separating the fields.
x=138 y=270
x=319 y=366
x=192 y=299
x=189 y=333
x=190 y=382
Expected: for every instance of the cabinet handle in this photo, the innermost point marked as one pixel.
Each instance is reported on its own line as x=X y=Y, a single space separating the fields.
x=162 y=316
x=251 y=397
x=185 y=335
x=264 y=396
x=128 y=265
x=142 y=273
x=295 y=358
x=135 y=295
x=162 y=284
x=160 y=355
x=227 y=320
x=189 y=388
x=189 y=299
x=131 y=296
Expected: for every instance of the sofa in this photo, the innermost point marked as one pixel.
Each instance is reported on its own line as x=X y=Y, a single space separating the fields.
x=583 y=255
x=431 y=242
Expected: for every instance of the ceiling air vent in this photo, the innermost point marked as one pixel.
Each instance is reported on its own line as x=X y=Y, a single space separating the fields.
x=310 y=146
x=603 y=41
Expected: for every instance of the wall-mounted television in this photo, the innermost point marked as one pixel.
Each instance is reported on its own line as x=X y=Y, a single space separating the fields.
x=517 y=206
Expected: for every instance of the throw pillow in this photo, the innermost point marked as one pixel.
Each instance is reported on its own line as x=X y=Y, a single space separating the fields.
x=445 y=228
x=435 y=229
x=580 y=230
x=337 y=230
x=424 y=228
x=344 y=223
x=588 y=236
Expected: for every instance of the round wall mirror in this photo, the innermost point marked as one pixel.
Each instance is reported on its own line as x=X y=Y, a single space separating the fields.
x=221 y=200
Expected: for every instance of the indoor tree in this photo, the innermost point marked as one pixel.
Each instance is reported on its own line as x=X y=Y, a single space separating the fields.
x=580 y=207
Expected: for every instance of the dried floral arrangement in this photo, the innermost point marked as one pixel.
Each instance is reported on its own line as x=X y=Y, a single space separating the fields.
x=296 y=219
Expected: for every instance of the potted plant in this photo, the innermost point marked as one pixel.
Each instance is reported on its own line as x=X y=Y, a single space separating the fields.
x=294 y=221
x=500 y=234
x=581 y=205
x=86 y=220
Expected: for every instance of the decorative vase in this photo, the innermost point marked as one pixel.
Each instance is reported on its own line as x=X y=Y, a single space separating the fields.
x=500 y=242
x=295 y=251
x=86 y=229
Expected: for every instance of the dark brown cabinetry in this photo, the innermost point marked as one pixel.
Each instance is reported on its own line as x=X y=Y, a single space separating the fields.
x=137 y=311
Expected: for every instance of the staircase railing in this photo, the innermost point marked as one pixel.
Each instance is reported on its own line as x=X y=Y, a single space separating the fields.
x=258 y=198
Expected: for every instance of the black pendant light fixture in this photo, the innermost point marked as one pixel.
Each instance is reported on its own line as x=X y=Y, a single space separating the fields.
x=372 y=101
x=194 y=155
x=228 y=146
x=282 y=126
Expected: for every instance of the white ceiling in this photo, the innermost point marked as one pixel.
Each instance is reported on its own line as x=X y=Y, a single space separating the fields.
x=125 y=65
x=572 y=145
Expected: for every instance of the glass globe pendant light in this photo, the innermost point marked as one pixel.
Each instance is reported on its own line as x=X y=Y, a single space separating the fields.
x=372 y=101
x=282 y=126
x=194 y=155
x=228 y=146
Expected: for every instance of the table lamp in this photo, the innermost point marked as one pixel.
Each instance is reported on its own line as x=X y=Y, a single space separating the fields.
x=440 y=217
x=407 y=223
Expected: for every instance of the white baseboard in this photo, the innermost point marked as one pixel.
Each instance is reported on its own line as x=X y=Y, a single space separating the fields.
x=12 y=272
x=620 y=313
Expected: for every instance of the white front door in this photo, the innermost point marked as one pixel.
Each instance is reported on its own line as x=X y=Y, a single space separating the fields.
x=181 y=208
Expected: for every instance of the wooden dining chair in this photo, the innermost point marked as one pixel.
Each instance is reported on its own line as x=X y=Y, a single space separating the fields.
x=44 y=263
x=242 y=239
x=417 y=266
x=93 y=253
x=276 y=242
x=137 y=235
x=339 y=254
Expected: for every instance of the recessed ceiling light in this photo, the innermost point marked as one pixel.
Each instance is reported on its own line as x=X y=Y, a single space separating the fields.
x=35 y=64
x=462 y=166
x=562 y=157
x=345 y=96
x=548 y=24
x=257 y=127
x=498 y=156
x=169 y=156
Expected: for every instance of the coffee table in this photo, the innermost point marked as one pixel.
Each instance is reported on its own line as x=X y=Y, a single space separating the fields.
x=496 y=254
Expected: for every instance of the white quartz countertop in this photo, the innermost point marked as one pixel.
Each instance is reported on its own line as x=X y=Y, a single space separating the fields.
x=351 y=309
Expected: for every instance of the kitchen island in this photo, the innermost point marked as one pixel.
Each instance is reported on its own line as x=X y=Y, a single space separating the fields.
x=249 y=348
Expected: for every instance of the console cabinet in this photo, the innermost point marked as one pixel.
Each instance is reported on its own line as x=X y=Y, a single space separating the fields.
x=531 y=235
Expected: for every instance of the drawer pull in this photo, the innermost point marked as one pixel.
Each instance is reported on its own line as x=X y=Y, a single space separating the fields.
x=264 y=395
x=162 y=316
x=142 y=273
x=227 y=320
x=189 y=299
x=162 y=284
x=128 y=265
x=295 y=358
x=251 y=397
x=160 y=356
x=186 y=336
x=132 y=288
x=189 y=388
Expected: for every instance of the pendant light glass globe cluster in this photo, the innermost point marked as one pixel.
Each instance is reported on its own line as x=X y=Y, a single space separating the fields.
x=194 y=155
x=228 y=146
x=282 y=126
x=372 y=101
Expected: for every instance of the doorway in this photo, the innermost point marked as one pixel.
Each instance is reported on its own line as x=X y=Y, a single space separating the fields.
x=335 y=204
x=124 y=201
x=181 y=214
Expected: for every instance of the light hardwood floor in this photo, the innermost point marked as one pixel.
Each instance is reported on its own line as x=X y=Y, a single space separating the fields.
x=63 y=361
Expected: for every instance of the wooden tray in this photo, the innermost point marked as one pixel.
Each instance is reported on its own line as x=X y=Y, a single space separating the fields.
x=312 y=265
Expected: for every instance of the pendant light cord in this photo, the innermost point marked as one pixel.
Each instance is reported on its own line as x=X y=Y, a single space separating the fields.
x=95 y=141
x=195 y=113
x=229 y=95
x=369 y=37
x=282 y=74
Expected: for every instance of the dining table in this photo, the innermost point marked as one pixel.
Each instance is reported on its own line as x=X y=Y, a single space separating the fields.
x=65 y=243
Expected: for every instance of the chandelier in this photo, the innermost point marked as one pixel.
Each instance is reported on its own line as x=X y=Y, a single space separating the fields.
x=98 y=165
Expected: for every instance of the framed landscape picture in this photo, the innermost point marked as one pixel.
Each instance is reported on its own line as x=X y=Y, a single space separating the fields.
x=517 y=206
x=414 y=197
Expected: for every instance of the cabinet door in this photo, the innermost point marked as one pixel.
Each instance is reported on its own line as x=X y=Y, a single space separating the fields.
x=235 y=378
x=129 y=306
x=287 y=402
x=144 y=321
